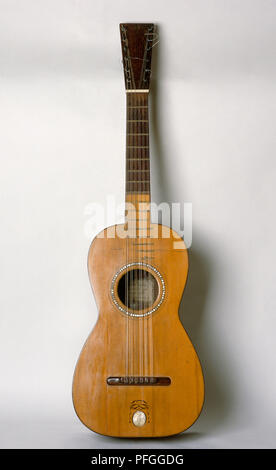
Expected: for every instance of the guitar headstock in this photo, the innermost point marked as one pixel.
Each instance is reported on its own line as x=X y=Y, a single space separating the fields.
x=137 y=40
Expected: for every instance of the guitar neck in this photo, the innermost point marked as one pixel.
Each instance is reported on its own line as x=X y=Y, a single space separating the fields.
x=137 y=41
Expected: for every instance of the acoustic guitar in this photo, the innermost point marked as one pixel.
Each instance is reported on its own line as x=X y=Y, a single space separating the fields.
x=138 y=374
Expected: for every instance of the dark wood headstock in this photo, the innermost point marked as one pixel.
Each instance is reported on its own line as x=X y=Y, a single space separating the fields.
x=137 y=40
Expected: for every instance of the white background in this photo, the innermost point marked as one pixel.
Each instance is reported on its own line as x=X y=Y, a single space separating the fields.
x=62 y=109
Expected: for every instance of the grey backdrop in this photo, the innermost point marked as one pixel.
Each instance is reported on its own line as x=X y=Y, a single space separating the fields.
x=62 y=147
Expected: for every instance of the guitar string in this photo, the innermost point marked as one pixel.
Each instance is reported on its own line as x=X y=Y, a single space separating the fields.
x=145 y=318
x=138 y=139
x=139 y=223
x=126 y=227
x=128 y=70
x=137 y=272
x=150 y=291
x=152 y=300
x=146 y=275
x=143 y=306
x=133 y=234
x=147 y=190
x=133 y=280
x=132 y=274
x=141 y=205
x=142 y=197
x=127 y=246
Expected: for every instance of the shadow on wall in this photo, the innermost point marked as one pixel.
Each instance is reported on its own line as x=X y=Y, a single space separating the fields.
x=218 y=395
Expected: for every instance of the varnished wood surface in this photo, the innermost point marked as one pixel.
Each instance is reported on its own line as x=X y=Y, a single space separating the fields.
x=137 y=40
x=169 y=352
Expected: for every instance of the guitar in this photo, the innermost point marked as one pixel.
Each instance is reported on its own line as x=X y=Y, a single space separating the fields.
x=138 y=374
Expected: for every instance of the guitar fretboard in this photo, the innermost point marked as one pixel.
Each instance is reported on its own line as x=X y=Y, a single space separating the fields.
x=137 y=144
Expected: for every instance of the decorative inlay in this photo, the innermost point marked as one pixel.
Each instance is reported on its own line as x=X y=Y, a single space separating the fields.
x=139 y=406
x=139 y=419
x=150 y=268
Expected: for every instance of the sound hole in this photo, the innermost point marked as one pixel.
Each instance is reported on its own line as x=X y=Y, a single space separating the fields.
x=138 y=289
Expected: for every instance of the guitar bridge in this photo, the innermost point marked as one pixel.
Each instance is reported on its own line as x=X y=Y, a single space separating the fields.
x=138 y=380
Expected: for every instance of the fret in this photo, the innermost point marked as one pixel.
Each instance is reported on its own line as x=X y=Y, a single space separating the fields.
x=140 y=153
x=136 y=134
x=138 y=210
x=137 y=185
x=134 y=161
x=140 y=173
x=137 y=220
x=144 y=163
x=137 y=192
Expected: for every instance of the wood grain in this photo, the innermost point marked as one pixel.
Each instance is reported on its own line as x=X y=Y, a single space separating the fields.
x=137 y=40
x=108 y=409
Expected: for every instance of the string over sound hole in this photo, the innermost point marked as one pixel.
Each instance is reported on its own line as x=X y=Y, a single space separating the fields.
x=138 y=289
x=139 y=285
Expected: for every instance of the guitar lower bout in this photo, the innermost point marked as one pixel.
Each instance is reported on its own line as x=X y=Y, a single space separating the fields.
x=138 y=374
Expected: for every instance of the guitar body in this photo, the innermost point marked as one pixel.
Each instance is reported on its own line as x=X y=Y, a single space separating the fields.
x=112 y=389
